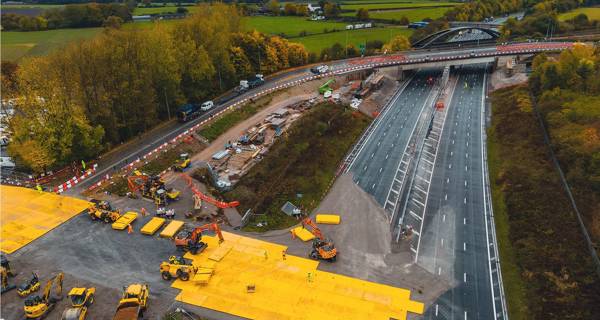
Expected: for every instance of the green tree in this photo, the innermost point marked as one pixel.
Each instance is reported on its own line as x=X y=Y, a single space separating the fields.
x=113 y=22
x=398 y=43
x=404 y=21
x=362 y=14
x=331 y=10
x=273 y=7
x=290 y=9
x=302 y=10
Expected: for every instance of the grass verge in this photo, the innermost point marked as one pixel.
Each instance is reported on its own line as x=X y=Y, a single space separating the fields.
x=515 y=288
x=230 y=119
x=299 y=166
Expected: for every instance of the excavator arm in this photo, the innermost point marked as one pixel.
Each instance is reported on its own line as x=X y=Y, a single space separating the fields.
x=220 y=204
x=210 y=226
x=315 y=229
x=58 y=279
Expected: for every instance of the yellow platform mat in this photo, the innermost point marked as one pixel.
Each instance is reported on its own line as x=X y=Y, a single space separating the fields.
x=284 y=288
x=328 y=218
x=27 y=214
x=152 y=226
x=171 y=229
x=124 y=220
x=302 y=234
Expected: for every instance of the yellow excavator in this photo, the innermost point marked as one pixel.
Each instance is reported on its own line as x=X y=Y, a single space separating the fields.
x=30 y=286
x=177 y=267
x=81 y=300
x=182 y=163
x=6 y=272
x=37 y=307
x=102 y=210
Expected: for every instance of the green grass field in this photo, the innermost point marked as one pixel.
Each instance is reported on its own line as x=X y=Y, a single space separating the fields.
x=290 y=26
x=592 y=13
x=16 y=44
x=316 y=43
x=397 y=5
x=411 y=14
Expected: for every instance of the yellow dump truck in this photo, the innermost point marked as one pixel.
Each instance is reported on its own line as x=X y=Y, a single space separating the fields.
x=133 y=303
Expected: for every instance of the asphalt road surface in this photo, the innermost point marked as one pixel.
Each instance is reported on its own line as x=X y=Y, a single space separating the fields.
x=453 y=240
x=375 y=166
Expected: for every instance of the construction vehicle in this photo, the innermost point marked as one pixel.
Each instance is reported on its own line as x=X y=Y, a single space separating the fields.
x=5 y=272
x=192 y=240
x=253 y=82
x=150 y=187
x=325 y=87
x=102 y=210
x=322 y=248
x=37 y=307
x=177 y=267
x=182 y=163
x=81 y=300
x=133 y=302
x=30 y=286
x=188 y=112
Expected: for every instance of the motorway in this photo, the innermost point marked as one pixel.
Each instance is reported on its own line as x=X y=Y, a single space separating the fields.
x=376 y=163
x=453 y=242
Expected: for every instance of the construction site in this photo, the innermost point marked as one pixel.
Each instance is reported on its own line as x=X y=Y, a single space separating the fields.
x=169 y=246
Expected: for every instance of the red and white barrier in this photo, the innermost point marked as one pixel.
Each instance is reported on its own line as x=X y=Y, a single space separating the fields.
x=75 y=180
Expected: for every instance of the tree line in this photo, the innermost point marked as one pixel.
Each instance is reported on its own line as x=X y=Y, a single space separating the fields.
x=75 y=103
x=567 y=91
x=71 y=16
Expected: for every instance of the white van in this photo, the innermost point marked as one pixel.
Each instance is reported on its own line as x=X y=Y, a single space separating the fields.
x=6 y=162
x=207 y=106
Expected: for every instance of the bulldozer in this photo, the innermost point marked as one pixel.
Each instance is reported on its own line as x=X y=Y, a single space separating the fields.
x=5 y=272
x=322 y=248
x=102 y=210
x=152 y=187
x=177 y=267
x=30 y=286
x=37 y=307
x=182 y=163
x=192 y=240
x=133 y=302
x=81 y=300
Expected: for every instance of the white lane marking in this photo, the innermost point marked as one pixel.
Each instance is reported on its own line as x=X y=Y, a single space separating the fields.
x=373 y=187
x=442 y=242
x=452 y=141
x=380 y=169
x=446 y=197
x=465 y=183
x=447 y=180
x=466 y=168
x=464 y=220
x=451 y=153
x=439 y=270
x=465 y=315
x=465 y=277
x=436 y=310
x=387 y=155
x=465 y=201
x=365 y=168
x=372 y=154
x=443 y=220
x=464 y=246
x=450 y=166
x=466 y=155
x=467 y=143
